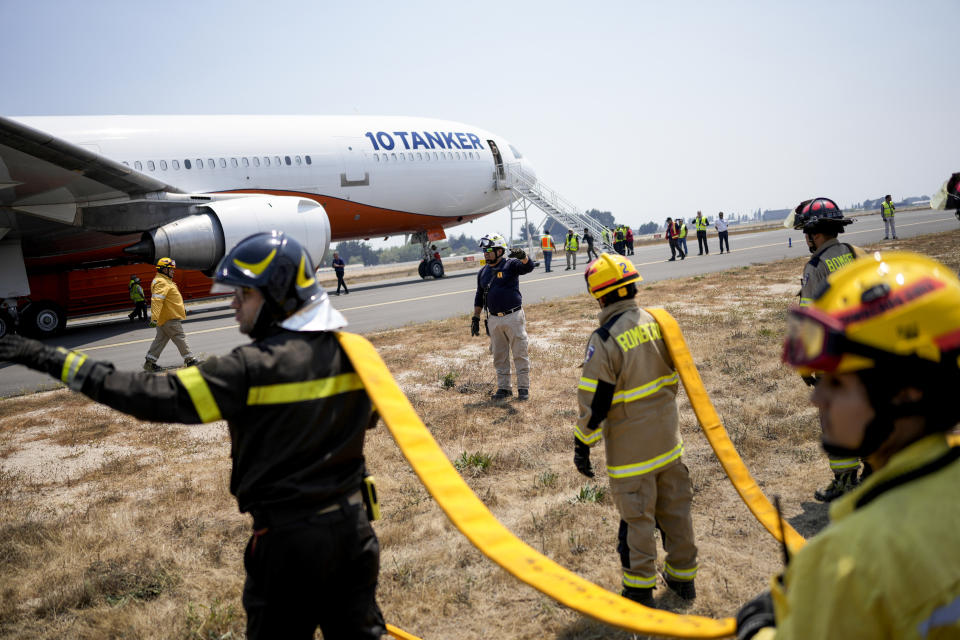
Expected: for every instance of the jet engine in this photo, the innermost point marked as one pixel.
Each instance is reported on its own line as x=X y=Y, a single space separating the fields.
x=200 y=241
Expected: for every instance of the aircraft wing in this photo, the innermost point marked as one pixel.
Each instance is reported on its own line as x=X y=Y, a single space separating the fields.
x=51 y=178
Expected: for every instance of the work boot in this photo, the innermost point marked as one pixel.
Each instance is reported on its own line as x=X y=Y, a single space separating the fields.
x=842 y=482
x=501 y=394
x=191 y=361
x=686 y=589
x=151 y=366
x=523 y=394
x=639 y=595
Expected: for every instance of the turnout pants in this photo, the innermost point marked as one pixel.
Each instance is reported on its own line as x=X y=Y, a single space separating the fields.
x=318 y=572
x=169 y=330
x=702 y=242
x=660 y=500
x=889 y=229
x=509 y=334
x=571 y=255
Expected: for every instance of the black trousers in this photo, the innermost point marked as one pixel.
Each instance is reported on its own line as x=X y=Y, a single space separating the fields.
x=724 y=240
x=702 y=242
x=590 y=250
x=321 y=571
x=139 y=310
x=675 y=248
x=341 y=283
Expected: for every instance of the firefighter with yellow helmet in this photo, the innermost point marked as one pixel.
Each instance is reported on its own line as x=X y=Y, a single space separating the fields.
x=166 y=314
x=627 y=396
x=884 y=337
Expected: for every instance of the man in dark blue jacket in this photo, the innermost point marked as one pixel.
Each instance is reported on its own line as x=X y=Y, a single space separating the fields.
x=498 y=291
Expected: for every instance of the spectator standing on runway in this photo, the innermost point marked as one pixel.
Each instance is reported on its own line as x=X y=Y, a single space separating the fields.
x=166 y=312
x=628 y=239
x=682 y=234
x=498 y=292
x=338 y=264
x=571 y=246
x=588 y=238
x=671 y=233
x=139 y=302
x=887 y=211
x=547 y=246
x=721 y=226
x=701 y=223
x=297 y=413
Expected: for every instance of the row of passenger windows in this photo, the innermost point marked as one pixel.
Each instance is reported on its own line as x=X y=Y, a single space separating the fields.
x=212 y=163
x=424 y=155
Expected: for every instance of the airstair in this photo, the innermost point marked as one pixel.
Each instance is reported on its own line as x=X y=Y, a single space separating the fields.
x=531 y=191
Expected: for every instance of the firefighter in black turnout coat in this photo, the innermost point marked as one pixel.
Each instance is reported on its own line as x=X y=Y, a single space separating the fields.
x=297 y=413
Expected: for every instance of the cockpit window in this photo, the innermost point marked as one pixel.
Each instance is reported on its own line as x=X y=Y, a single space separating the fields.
x=516 y=154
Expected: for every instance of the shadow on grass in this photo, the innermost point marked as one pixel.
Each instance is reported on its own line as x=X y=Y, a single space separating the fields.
x=812 y=520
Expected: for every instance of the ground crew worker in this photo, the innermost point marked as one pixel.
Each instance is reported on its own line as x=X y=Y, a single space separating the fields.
x=887 y=211
x=821 y=220
x=166 y=312
x=673 y=236
x=682 y=235
x=139 y=302
x=628 y=240
x=885 y=339
x=588 y=238
x=723 y=235
x=338 y=266
x=297 y=414
x=627 y=395
x=498 y=291
x=547 y=246
x=571 y=245
x=619 y=240
x=701 y=225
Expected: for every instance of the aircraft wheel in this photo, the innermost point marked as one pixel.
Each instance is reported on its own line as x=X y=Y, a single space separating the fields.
x=435 y=268
x=43 y=319
x=7 y=325
x=422 y=269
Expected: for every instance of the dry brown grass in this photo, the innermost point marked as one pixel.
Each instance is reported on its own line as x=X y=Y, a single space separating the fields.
x=125 y=529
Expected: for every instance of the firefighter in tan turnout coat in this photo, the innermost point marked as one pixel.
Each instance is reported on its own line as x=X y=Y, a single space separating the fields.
x=627 y=395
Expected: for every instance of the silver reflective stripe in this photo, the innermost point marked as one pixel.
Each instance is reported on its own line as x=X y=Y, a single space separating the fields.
x=943 y=616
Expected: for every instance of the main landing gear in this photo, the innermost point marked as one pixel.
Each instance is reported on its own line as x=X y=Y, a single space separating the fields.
x=429 y=266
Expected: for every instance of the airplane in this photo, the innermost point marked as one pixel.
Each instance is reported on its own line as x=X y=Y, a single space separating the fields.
x=88 y=201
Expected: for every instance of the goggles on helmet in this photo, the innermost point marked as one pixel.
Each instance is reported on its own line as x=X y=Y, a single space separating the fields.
x=816 y=341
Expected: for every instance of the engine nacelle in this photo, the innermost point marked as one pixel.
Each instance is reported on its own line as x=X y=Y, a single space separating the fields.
x=200 y=241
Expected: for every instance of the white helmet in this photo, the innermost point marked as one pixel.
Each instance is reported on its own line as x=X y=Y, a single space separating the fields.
x=494 y=241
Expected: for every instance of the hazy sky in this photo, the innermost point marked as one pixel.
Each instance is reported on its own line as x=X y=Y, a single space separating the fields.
x=646 y=109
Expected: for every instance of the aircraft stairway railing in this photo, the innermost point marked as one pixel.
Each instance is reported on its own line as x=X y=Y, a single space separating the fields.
x=551 y=203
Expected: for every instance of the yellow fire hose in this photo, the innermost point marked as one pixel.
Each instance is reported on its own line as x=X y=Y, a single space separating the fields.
x=485 y=532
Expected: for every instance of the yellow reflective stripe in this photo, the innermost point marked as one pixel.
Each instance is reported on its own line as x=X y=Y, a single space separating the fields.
x=588 y=438
x=199 y=391
x=304 y=391
x=718 y=437
x=487 y=534
x=845 y=463
x=587 y=384
x=640 y=468
x=682 y=574
x=71 y=364
x=303 y=280
x=806 y=302
x=640 y=582
x=256 y=268
x=650 y=388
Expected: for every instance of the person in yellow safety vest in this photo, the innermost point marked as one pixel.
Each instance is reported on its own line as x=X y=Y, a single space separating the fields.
x=887 y=210
x=139 y=302
x=571 y=245
x=166 y=311
x=884 y=337
x=682 y=235
x=547 y=246
x=701 y=223
x=821 y=221
x=627 y=396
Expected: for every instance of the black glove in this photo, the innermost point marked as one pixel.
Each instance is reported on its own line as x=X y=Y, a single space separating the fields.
x=581 y=458
x=33 y=354
x=475 y=326
x=518 y=253
x=810 y=380
x=755 y=615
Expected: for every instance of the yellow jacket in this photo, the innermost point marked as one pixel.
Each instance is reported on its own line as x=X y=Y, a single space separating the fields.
x=886 y=567
x=166 y=303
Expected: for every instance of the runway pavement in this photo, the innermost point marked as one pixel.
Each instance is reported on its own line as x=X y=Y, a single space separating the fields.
x=392 y=303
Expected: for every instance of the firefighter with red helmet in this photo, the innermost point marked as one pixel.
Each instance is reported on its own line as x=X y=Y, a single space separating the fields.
x=627 y=396
x=821 y=221
x=884 y=338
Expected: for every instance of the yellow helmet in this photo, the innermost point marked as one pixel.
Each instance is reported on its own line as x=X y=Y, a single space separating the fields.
x=166 y=262
x=879 y=309
x=608 y=273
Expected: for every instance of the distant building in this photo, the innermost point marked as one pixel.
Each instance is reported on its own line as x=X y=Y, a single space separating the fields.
x=775 y=214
